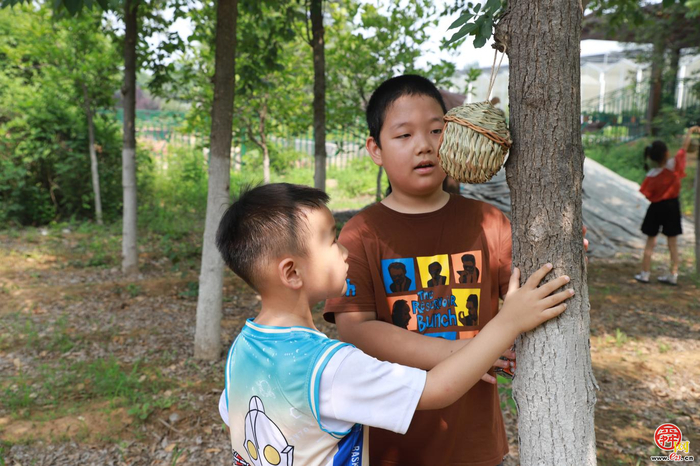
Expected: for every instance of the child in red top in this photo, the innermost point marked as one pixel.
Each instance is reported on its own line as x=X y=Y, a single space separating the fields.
x=662 y=186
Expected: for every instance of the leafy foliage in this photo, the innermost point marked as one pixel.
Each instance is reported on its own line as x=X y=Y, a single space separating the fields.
x=45 y=167
x=475 y=21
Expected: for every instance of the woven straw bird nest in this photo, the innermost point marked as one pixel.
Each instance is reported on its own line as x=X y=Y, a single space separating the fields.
x=474 y=142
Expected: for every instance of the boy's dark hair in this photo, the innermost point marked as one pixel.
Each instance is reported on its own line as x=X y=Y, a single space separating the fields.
x=391 y=90
x=655 y=151
x=263 y=223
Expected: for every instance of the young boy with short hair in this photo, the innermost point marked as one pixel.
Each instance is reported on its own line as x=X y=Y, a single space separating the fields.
x=294 y=396
x=419 y=224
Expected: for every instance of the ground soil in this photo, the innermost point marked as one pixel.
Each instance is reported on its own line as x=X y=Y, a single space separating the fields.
x=55 y=313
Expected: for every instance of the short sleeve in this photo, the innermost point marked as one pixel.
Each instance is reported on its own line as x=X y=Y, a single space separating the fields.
x=359 y=389
x=223 y=409
x=359 y=296
x=505 y=255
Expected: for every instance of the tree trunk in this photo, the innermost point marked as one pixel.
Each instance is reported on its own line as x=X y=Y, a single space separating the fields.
x=697 y=211
x=207 y=339
x=554 y=388
x=93 y=156
x=129 y=247
x=675 y=58
x=655 y=86
x=319 y=94
x=380 y=170
x=263 y=144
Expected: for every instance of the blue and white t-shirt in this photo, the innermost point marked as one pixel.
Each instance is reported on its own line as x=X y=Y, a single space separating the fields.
x=294 y=396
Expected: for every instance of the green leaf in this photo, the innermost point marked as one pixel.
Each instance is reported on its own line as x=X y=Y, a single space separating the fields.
x=668 y=3
x=492 y=6
x=466 y=29
x=486 y=28
x=479 y=41
x=477 y=7
x=466 y=16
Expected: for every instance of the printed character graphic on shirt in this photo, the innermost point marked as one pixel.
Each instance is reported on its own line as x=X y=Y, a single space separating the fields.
x=399 y=275
x=434 y=270
x=399 y=280
x=467 y=300
x=401 y=313
x=470 y=272
x=238 y=460
x=264 y=441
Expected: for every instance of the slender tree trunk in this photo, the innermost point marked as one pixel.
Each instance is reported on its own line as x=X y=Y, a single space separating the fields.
x=675 y=58
x=93 y=156
x=554 y=388
x=263 y=143
x=129 y=247
x=380 y=170
x=319 y=94
x=207 y=339
x=656 y=86
x=697 y=211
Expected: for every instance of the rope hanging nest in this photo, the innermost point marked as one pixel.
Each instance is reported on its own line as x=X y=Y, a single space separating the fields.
x=475 y=140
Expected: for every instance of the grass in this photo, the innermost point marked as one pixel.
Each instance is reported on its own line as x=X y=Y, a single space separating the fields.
x=62 y=386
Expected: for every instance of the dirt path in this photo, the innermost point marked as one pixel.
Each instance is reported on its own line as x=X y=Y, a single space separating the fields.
x=98 y=370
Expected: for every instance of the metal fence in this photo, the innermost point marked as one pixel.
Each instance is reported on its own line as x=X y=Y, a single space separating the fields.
x=618 y=116
x=621 y=115
x=160 y=128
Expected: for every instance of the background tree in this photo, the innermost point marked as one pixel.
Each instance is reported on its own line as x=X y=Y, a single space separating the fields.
x=273 y=68
x=318 y=46
x=63 y=68
x=207 y=342
x=385 y=42
x=668 y=27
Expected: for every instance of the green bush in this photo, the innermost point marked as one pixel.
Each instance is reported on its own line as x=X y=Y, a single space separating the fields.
x=173 y=191
x=626 y=159
x=45 y=164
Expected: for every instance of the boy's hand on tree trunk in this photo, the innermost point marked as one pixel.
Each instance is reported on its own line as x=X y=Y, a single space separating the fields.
x=528 y=306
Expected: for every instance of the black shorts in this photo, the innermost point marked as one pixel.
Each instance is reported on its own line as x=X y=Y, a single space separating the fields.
x=665 y=215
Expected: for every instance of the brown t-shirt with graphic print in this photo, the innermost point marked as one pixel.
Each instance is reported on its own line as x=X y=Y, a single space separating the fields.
x=439 y=274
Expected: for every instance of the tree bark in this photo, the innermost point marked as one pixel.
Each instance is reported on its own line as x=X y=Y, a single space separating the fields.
x=697 y=211
x=675 y=58
x=554 y=387
x=656 y=86
x=93 y=155
x=129 y=246
x=263 y=144
x=262 y=141
x=317 y=44
x=207 y=339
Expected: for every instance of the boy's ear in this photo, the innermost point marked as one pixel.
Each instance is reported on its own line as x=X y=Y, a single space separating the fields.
x=288 y=274
x=374 y=151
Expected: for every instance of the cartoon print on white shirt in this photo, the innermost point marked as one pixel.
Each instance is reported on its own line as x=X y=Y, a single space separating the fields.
x=264 y=441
